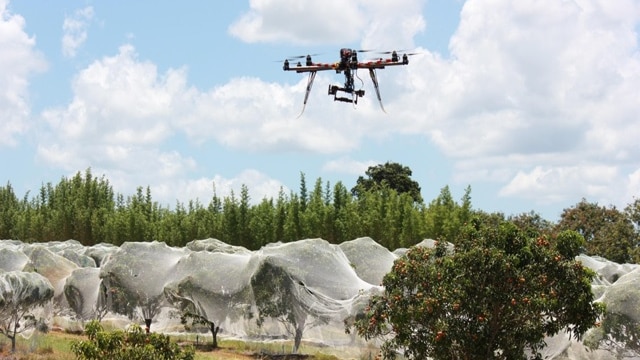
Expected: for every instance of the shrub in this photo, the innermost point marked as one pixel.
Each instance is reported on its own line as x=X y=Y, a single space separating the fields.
x=132 y=344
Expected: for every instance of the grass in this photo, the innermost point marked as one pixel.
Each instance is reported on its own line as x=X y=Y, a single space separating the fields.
x=56 y=345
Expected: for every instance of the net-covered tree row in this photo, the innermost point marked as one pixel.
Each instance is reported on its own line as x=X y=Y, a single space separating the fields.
x=384 y=207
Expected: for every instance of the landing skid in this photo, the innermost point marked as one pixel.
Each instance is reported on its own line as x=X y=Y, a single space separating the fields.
x=335 y=89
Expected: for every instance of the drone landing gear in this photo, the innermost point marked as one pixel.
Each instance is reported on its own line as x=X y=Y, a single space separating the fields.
x=312 y=76
x=355 y=94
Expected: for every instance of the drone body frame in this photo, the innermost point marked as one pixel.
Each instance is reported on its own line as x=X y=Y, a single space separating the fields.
x=348 y=65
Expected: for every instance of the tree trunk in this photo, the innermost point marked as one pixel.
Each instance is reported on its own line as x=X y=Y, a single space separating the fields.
x=13 y=343
x=147 y=322
x=214 y=331
x=297 y=339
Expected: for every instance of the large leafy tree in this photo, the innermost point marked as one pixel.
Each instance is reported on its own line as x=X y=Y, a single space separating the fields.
x=394 y=175
x=608 y=231
x=495 y=296
x=276 y=296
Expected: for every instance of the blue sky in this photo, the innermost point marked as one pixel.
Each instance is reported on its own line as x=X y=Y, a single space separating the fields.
x=534 y=104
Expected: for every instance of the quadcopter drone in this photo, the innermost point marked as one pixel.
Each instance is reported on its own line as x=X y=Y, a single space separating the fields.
x=348 y=65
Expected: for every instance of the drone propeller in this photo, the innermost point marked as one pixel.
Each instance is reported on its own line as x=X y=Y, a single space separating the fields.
x=301 y=56
x=392 y=51
x=296 y=57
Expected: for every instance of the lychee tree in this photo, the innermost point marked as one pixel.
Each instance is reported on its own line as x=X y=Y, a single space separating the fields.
x=20 y=294
x=496 y=295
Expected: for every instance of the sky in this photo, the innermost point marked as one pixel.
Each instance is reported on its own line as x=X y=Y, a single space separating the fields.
x=534 y=104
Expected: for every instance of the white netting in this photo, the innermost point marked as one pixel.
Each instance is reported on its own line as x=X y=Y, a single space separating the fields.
x=319 y=284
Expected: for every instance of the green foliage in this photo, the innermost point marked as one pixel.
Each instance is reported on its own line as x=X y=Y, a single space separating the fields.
x=274 y=297
x=382 y=206
x=20 y=294
x=499 y=293
x=608 y=232
x=445 y=218
x=391 y=174
x=87 y=209
x=131 y=344
x=191 y=319
x=619 y=334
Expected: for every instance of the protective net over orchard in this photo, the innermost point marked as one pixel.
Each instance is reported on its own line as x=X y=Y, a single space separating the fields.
x=300 y=290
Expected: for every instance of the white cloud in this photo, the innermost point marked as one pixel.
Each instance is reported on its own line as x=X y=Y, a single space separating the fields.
x=18 y=61
x=121 y=112
x=633 y=188
x=345 y=165
x=546 y=185
x=74 y=30
x=250 y=114
x=260 y=186
x=329 y=21
x=531 y=93
x=376 y=23
x=124 y=112
x=539 y=99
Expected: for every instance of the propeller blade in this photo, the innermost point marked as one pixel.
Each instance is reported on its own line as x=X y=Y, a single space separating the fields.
x=296 y=57
x=391 y=51
x=302 y=56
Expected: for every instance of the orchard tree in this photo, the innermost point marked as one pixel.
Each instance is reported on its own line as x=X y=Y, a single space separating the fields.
x=391 y=174
x=497 y=295
x=276 y=295
x=20 y=294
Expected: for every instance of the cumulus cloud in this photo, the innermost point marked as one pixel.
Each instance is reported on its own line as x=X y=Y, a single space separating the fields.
x=346 y=165
x=120 y=114
x=534 y=91
x=124 y=112
x=375 y=23
x=546 y=184
x=74 y=30
x=541 y=99
x=19 y=60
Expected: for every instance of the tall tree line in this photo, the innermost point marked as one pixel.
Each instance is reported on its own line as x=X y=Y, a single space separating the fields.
x=85 y=208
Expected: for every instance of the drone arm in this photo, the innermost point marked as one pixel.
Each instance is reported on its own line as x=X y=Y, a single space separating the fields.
x=312 y=76
x=374 y=79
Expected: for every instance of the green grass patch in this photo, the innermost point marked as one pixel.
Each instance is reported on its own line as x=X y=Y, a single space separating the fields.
x=56 y=345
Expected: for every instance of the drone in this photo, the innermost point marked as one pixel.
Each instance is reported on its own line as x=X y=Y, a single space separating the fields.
x=348 y=65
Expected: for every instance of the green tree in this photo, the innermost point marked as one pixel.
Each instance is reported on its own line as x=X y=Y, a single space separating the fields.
x=343 y=217
x=495 y=296
x=532 y=222
x=275 y=297
x=618 y=334
x=9 y=211
x=632 y=212
x=394 y=175
x=607 y=231
x=20 y=294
